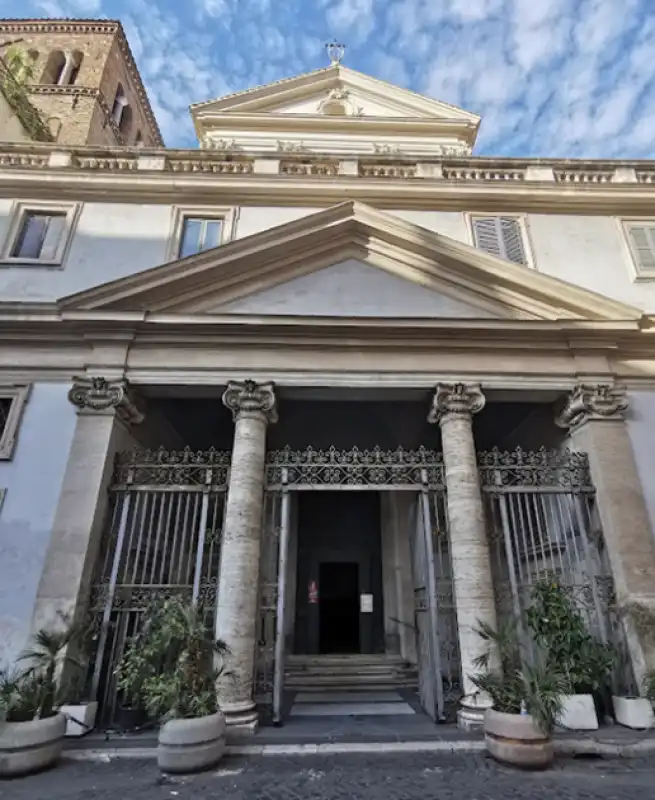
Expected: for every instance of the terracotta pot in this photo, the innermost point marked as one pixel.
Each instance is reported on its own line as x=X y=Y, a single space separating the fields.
x=191 y=745
x=515 y=739
x=27 y=747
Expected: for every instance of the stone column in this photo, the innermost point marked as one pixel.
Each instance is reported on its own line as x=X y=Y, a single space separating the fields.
x=453 y=407
x=253 y=407
x=595 y=416
x=105 y=414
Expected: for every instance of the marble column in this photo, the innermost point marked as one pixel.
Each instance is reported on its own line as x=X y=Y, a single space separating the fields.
x=453 y=407
x=594 y=414
x=253 y=407
x=106 y=411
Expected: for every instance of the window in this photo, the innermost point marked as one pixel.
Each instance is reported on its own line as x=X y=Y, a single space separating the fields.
x=500 y=236
x=120 y=102
x=138 y=139
x=12 y=403
x=641 y=241
x=54 y=68
x=39 y=233
x=199 y=234
x=76 y=65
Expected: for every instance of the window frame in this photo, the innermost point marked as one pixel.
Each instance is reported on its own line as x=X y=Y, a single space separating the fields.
x=19 y=394
x=228 y=216
x=17 y=217
x=624 y=225
x=524 y=226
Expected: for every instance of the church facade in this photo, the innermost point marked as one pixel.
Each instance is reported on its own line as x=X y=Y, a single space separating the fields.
x=350 y=386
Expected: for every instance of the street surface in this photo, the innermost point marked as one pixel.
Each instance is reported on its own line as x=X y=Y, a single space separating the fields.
x=344 y=777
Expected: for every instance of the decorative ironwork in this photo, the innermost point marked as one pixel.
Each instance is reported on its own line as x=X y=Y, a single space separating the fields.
x=191 y=469
x=313 y=469
x=558 y=470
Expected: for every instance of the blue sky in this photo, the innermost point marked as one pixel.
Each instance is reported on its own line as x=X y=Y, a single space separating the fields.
x=560 y=78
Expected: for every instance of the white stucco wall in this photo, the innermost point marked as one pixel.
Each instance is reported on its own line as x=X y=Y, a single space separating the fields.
x=641 y=429
x=33 y=481
x=115 y=239
x=352 y=288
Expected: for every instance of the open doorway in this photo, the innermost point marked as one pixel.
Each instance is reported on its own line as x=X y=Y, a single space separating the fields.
x=339 y=607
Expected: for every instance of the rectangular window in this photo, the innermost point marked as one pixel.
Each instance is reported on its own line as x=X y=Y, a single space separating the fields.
x=641 y=239
x=12 y=403
x=199 y=234
x=40 y=236
x=500 y=236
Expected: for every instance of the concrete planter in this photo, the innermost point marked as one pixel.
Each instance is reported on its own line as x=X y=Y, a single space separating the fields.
x=578 y=713
x=27 y=747
x=191 y=745
x=514 y=739
x=634 y=712
x=80 y=718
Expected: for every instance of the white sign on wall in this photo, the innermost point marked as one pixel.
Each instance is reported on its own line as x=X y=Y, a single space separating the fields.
x=366 y=603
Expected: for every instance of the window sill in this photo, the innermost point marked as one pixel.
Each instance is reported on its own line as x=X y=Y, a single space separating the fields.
x=9 y=261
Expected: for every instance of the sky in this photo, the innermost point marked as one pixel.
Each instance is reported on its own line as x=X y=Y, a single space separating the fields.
x=550 y=78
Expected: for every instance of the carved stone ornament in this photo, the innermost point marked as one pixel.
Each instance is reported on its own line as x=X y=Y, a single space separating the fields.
x=291 y=147
x=598 y=401
x=385 y=149
x=249 y=397
x=337 y=103
x=452 y=150
x=219 y=144
x=99 y=394
x=456 y=398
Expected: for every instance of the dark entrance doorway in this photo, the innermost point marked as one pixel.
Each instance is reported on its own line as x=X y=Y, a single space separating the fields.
x=339 y=607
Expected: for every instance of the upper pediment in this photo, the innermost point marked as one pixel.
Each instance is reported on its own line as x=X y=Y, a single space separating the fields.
x=351 y=239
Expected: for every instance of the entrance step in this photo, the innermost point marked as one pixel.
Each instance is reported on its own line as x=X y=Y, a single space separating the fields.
x=349 y=673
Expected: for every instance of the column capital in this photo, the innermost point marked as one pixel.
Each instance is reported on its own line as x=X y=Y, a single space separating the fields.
x=252 y=399
x=592 y=401
x=456 y=398
x=97 y=395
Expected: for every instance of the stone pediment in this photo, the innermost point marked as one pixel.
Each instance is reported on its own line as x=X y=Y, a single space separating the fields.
x=350 y=260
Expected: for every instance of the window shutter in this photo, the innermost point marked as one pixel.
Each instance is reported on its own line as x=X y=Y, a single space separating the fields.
x=512 y=240
x=642 y=239
x=500 y=236
x=487 y=235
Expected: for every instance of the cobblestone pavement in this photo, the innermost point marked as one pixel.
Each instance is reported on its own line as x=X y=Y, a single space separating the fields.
x=343 y=777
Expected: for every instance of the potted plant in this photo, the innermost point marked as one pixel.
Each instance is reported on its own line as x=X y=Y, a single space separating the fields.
x=32 y=735
x=636 y=711
x=177 y=659
x=134 y=667
x=526 y=700
x=559 y=629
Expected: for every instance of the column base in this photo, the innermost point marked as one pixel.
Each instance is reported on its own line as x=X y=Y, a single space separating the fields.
x=241 y=721
x=470 y=714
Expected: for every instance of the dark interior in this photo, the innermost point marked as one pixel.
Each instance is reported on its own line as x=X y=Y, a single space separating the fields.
x=339 y=607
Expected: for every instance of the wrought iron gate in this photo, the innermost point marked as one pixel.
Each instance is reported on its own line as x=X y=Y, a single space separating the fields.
x=163 y=538
x=542 y=520
x=418 y=471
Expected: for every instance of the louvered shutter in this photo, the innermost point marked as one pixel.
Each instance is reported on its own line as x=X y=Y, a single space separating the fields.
x=642 y=240
x=500 y=236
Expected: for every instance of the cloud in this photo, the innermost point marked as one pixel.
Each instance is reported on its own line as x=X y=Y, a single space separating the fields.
x=570 y=78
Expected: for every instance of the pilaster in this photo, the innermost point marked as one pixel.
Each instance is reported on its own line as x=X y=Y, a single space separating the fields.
x=453 y=407
x=594 y=413
x=105 y=413
x=253 y=407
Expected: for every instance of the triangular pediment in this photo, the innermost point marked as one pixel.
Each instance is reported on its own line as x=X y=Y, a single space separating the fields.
x=363 y=94
x=364 y=239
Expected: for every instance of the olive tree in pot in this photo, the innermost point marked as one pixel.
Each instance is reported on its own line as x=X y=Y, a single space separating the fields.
x=32 y=734
x=559 y=629
x=636 y=710
x=179 y=685
x=525 y=700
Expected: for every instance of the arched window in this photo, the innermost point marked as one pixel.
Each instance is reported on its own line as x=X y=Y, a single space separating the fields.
x=54 y=68
x=76 y=60
x=126 y=120
x=138 y=139
x=120 y=103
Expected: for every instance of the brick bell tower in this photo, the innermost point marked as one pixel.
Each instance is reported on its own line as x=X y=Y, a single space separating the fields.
x=84 y=81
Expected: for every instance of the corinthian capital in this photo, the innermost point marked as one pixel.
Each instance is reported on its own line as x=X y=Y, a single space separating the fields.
x=456 y=398
x=99 y=394
x=598 y=401
x=249 y=397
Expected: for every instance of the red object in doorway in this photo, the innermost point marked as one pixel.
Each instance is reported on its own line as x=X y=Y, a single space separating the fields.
x=313 y=592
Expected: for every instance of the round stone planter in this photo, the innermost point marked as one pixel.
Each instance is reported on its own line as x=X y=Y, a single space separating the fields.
x=514 y=739
x=27 y=747
x=191 y=745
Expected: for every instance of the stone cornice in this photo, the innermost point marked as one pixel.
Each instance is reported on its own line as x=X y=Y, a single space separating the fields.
x=50 y=171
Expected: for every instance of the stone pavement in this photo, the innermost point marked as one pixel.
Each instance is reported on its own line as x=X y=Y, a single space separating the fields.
x=344 y=777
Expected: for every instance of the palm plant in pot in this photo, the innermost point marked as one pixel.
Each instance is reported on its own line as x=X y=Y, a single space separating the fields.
x=559 y=629
x=526 y=700
x=177 y=658
x=32 y=735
